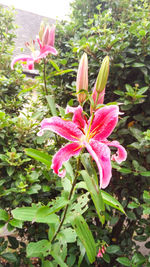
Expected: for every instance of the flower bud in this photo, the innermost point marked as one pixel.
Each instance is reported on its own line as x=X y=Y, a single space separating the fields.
x=51 y=39
x=42 y=29
x=98 y=98
x=48 y=37
x=45 y=36
x=82 y=78
x=103 y=75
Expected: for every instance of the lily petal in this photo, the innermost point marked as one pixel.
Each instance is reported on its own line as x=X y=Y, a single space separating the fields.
x=66 y=129
x=63 y=155
x=22 y=58
x=77 y=115
x=121 y=152
x=101 y=154
x=47 y=49
x=104 y=122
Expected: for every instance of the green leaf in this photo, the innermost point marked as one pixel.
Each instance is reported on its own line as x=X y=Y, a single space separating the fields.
x=38 y=249
x=95 y=193
x=25 y=213
x=133 y=205
x=129 y=88
x=80 y=207
x=16 y=223
x=61 y=72
x=40 y=156
x=10 y=170
x=47 y=264
x=138 y=65
x=51 y=102
x=131 y=215
x=54 y=65
x=67 y=235
x=85 y=235
x=124 y=261
x=138 y=258
x=125 y=170
x=58 y=259
x=111 y=201
x=106 y=257
x=112 y=249
x=69 y=170
x=143 y=90
x=10 y=257
x=57 y=204
x=43 y=215
x=87 y=163
x=4 y=215
x=146 y=174
x=146 y=196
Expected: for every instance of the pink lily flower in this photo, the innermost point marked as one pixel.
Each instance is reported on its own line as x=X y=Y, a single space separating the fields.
x=46 y=47
x=47 y=41
x=88 y=134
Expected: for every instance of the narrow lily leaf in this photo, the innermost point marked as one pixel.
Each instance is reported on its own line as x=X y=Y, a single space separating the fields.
x=111 y=201
x=86 y=161
x=69 y=169
x=56 y=73
x=58 y=259
x=54 y=65
x=51 y=103
x=39 y=155
x=95 y=193
x=85 y=235
x=26 y=90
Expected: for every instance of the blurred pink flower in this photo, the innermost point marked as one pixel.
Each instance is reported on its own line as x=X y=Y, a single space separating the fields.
x=88 y=134
x=36 y=55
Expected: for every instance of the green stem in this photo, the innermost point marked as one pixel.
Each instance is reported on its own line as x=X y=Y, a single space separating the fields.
x=44 y=76
x=70 y=195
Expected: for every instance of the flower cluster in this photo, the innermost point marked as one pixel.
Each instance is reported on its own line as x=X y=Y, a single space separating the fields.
x=87 y=133
x=101 y=252
x=45 y=39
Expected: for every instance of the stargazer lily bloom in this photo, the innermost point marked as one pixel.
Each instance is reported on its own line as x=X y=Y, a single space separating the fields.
x=90 y=134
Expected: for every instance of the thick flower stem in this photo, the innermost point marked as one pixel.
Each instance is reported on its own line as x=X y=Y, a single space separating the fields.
x=70 y=195
x=44 y=76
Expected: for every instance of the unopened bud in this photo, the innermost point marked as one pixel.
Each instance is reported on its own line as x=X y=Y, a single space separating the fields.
x=82 y=78
x=42 y=29
x=45 y=36
x=103 y=75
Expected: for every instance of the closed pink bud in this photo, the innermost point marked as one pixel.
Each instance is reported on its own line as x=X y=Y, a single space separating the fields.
x=103 y=249
x=51 y=39
x=99 y=255
x=98 y=98
x=45 y=36
x=82 y=78
x=48 y=37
